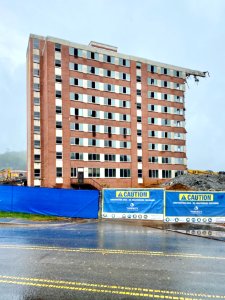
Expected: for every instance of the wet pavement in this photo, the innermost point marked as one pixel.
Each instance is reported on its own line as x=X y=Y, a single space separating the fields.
x=210 y=231
x=107 y=260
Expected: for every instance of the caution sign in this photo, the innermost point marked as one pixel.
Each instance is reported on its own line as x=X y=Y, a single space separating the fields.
x=196 y=207
x=146 y=204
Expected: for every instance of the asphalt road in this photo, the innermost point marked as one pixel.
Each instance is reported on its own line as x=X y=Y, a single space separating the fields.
x=105 y=260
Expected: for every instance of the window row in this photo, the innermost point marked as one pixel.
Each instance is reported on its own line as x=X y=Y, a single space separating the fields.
x=165 y=122
x=99 y=100
x=166 y=147
x=100 y=128
x=165 y=173
x=167 y=160
x=99 y=57
x=166 y=135
x=165 y=71
x=106 y=87
x=83 y=112
x=100 y=157
x=166 y=84
x=167 y=97
x=165 y=109
x=99 y=71
x=104 y=173
x=99 y=143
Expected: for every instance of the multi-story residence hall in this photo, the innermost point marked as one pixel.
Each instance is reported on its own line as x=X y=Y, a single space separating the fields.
x=102 y=117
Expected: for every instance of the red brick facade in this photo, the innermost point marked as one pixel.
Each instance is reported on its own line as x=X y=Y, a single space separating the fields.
x=47 y=162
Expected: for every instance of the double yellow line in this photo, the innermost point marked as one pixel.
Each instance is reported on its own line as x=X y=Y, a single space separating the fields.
x=111 y=251
x=105 y=289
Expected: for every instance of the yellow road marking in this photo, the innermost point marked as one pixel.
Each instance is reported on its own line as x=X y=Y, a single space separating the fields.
x=111 y=251
x=83 y=286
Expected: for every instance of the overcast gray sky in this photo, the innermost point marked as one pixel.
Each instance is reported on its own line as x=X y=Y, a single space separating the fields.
x=186 y=33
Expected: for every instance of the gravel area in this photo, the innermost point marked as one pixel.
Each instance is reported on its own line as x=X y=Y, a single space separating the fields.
x=196 y=182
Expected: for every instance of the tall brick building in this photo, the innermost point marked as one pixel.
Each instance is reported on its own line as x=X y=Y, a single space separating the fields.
x=109 y=119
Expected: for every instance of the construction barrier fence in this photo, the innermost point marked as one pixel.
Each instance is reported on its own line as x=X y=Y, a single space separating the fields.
x=145 y=204
x=159 y=204
x=50 y=201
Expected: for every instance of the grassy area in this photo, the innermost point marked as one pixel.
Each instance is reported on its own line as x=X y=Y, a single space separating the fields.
x=32 y=217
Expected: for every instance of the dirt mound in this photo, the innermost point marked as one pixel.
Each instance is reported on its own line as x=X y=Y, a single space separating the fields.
x=196 y=182
x=179 y=187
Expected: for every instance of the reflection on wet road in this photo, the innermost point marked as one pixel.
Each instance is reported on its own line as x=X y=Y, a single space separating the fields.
x=104 y=260
x=202 y=230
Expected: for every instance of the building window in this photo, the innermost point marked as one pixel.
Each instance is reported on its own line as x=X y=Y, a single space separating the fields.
x=153 y=159
x=166 y=173
x=152 y=146
x=139 y=132
x=139 y=158
x=36 y=72
x=36 y=115
x=138 y=92
x=73 y=172
x=35 y=43
x=93 y=172
x=37 y=144
x=152 y=120
x=36 y=101
x=138 y=65
x=92 y=55
x=138 y=105
x=125 y=173
x=37 y=173
x=92 y=142
x=151 y=94
x=124 y=62
x=110 y=157
x=76 y=141
x=179 y=173
x=125 y=158
x=93 y=156
x=152 y=133
x=58 y=140
x=37 y=157
x=57 y=63
x=58 y=172
x=108 y=143
x=151 y=68
x=153 y=174
x=58 y=125
x=75 y=52
x=76 y=156
x=57 y=47
x=36 y=58
x=166 y=160
x=125 y=145
x=138 y=119
x=110 y=172
x=36 y=129
x=58 y=78
x=139 y=173
x=58 y=94
x=36 y=87
x=58 y=109
x=58 y=155
x=165 y=96
x=138 y=78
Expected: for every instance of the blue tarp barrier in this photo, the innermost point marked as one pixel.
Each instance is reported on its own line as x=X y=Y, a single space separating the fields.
x=133 y=203
x=194 y=206
x=50 y=201
x=6 y=198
